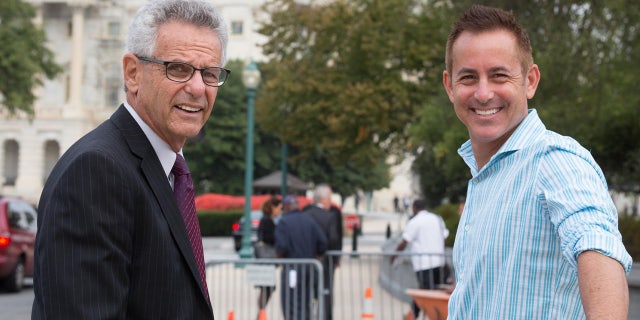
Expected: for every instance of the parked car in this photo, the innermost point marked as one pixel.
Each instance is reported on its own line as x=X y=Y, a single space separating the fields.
x=17 y=238
x=236 y=229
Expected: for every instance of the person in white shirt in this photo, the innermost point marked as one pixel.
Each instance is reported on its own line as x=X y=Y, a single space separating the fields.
x=425 y=233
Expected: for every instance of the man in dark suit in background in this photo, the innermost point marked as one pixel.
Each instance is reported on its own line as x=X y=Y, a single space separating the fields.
x=330 y=220
x=118 y=237
x=298 y=237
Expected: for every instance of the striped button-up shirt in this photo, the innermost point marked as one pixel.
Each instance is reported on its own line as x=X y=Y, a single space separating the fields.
x=539 y=202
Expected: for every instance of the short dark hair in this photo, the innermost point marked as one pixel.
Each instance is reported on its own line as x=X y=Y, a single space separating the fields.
x=419 y=204
x=480 y=18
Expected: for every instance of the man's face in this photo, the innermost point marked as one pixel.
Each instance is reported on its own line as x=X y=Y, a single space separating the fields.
x=488 y=88
x=175 y=111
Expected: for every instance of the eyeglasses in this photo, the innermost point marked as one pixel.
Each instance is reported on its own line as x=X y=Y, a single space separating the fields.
x=183 y=72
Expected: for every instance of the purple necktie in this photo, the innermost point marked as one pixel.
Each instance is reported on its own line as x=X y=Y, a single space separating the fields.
x=183 y=191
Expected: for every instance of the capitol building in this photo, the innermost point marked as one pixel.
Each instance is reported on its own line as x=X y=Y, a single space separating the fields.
x=87 y=37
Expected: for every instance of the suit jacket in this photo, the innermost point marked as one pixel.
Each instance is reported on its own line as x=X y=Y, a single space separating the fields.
x=111 y=242
x=329 y=224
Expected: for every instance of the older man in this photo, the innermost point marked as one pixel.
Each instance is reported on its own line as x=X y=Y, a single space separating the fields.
x=118 y=236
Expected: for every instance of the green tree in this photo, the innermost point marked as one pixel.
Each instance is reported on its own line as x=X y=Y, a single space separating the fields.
x=346 y=179
x=25 y=58
x=217 y=156
x=344 y=79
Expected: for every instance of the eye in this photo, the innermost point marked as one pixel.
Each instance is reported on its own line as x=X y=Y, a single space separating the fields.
x=500 y=77
x=211 y=74
x=467 y=78
x=180 y=69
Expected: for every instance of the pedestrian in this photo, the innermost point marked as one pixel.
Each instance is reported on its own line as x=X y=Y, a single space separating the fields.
x=425 y=234
x=298 y=237
x=405 y=203
x=538 y=237
x=330 y=220
x=396 y=204
x=118 y=236
x=271 y=210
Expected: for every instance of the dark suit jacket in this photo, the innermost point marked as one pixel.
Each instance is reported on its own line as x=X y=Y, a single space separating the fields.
x=111 y=242
x=329 y=224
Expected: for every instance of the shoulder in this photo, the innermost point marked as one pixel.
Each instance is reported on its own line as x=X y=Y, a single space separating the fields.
x=562 y=154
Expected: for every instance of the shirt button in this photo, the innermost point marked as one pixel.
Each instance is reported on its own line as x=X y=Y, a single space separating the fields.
x=466 y=228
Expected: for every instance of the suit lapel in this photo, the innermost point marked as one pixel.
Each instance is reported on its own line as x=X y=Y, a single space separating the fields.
x=154 y=174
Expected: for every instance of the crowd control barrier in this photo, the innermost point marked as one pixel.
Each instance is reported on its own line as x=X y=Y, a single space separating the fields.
x=364 y=284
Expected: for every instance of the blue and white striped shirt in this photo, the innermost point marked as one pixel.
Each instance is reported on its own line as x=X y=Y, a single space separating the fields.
x=539 y=202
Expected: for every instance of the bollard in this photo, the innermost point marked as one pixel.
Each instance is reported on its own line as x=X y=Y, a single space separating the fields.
x=354 y=238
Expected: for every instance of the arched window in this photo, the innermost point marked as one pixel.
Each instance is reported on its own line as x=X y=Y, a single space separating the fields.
x=51 y=156
x=11 y=156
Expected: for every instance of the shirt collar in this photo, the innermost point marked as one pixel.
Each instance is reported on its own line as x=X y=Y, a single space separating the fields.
x=525 y=134
x=165 y=154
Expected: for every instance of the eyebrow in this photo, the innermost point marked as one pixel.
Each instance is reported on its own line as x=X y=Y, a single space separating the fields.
x=491 y=70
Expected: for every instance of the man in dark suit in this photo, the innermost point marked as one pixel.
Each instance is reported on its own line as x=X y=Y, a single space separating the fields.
x=113 y=241
x=329 y=218
x=298 y=237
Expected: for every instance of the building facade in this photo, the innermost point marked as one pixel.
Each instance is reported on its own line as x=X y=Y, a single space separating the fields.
x=87 y=37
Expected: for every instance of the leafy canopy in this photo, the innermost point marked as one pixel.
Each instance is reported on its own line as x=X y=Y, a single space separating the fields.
x=25 y=58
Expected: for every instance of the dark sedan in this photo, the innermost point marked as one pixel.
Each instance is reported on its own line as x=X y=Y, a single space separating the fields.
x=236 y=229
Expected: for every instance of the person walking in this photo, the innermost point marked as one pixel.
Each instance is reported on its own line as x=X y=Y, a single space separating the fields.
x=118 y=236
x=538 y=236
x=298 y=237
x=271 y=210
x=329 y=218
x=425 y=234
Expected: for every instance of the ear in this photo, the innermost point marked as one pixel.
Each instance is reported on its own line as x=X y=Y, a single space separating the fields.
x=533 y=78
x=131 y=67
x=447 y=83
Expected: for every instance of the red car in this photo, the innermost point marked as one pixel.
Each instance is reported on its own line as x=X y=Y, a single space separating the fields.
x=17 y=237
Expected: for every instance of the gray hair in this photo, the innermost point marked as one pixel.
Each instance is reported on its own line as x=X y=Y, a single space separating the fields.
x=322 y=191
x=143 y=30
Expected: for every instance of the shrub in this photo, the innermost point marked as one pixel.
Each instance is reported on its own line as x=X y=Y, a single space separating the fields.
x=449 y=213
x=630 y=229
x=217 y=223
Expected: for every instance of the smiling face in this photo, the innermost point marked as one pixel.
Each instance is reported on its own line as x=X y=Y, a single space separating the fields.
x=489 y=88
x=175 y=111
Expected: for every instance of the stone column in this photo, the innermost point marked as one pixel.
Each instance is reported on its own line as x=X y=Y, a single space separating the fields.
x=75 y=108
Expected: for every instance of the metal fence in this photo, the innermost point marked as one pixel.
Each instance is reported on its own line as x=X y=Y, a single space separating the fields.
x=364 y=283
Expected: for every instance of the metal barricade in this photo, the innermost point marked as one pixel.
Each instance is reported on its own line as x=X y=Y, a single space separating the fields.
x=234 y=287
x=363 y=285
x=387 y=282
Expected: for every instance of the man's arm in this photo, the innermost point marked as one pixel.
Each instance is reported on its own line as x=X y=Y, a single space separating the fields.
x=603 y=286
x=401 y=246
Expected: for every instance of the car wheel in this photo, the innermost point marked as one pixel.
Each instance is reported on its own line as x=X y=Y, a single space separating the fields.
x=15 y=280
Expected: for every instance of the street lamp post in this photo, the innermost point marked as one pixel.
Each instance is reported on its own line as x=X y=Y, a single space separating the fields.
x=250 y=79
x=283 y=169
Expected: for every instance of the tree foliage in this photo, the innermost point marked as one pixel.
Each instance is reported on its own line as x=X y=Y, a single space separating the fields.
x=343 y=82
x=345 y=77
x=25 y=58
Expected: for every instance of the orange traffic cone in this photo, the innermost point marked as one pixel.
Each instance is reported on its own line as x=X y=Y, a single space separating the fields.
x=230 y=316
x=262 y=315
x=367 y=305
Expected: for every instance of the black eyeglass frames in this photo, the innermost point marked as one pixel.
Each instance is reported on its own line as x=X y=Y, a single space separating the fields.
x=183 y=72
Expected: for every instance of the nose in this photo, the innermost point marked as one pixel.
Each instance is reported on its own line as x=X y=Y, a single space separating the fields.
x=484 y=92
x=195 y=86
